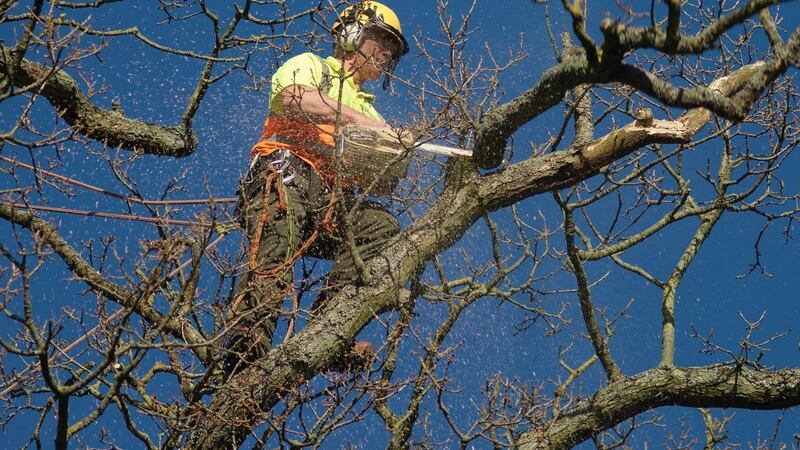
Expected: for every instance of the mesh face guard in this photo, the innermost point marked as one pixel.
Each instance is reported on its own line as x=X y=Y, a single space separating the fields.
x=378 y=17
x=389 y=72
x=387 y=40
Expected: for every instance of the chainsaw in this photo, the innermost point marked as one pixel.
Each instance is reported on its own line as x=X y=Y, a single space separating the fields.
x=355 y=138
x=369 y=153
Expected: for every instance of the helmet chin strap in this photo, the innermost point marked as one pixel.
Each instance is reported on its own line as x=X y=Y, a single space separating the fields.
x=388 y=71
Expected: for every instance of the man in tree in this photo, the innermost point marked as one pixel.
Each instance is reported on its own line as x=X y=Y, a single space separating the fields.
x=288 y=201
x=523 y=276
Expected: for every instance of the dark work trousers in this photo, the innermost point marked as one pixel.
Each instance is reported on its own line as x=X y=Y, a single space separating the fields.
x=258 y=298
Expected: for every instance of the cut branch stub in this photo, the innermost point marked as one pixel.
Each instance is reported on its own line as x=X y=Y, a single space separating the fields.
x=644 y=117
x=504 y=121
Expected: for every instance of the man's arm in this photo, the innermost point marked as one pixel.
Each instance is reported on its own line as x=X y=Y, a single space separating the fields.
x=311 y=105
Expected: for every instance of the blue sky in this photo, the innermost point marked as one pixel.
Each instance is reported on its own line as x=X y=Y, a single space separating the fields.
x=156 y=88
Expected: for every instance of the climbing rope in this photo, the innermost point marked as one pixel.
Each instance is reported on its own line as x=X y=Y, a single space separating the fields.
x=274 y=181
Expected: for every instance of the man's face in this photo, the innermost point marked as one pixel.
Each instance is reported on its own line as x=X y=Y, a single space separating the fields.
x=377 y=50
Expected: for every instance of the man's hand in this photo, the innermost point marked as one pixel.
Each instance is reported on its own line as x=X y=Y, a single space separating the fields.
x=366 y=121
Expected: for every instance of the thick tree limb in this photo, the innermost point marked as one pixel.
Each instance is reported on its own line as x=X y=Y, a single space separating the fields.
x=705 y=387
x=501 y=123
x=599 y=342
x=672 y=41
x=240 y=404
x=106 y=126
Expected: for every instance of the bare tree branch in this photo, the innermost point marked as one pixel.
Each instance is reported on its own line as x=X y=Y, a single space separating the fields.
x=704 y=387
x=107 y=126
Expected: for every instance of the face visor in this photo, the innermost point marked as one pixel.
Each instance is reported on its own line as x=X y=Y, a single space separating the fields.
x=387 y=40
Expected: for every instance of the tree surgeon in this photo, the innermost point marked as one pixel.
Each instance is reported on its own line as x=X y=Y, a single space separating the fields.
x=287 y=198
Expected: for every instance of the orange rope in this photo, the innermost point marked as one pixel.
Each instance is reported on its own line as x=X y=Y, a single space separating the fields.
x=262 y=219
x=325 y=226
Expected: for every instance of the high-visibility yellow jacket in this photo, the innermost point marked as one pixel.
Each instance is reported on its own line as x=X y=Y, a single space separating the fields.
x=309 y=141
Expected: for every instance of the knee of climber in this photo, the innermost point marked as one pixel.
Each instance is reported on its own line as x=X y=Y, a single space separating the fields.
x=268 y=292
x=379 y=225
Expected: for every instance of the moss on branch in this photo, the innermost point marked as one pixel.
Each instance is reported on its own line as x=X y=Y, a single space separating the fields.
x=502 y=122
x=620 y=38
x=331 y=333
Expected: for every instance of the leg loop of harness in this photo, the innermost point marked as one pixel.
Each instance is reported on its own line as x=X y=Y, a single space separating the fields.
x=278 y=171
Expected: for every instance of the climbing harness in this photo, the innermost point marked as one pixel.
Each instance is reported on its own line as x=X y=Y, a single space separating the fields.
x=280 y=174
x=283 y=167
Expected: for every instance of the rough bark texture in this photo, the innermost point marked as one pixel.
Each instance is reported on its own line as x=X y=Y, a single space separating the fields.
x=573 y=71
x=110 y=127
x=242 y=403
x=722 y=387
x=236 y=406
x=502 y=122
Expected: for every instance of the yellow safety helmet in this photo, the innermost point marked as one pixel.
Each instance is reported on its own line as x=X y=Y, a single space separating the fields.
x=349 y=26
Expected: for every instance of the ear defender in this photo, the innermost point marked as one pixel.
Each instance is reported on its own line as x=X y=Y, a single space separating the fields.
x=349 y=38
x=348 y=30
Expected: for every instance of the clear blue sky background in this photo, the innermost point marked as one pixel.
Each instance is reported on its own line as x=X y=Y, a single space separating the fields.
x=156 y=88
